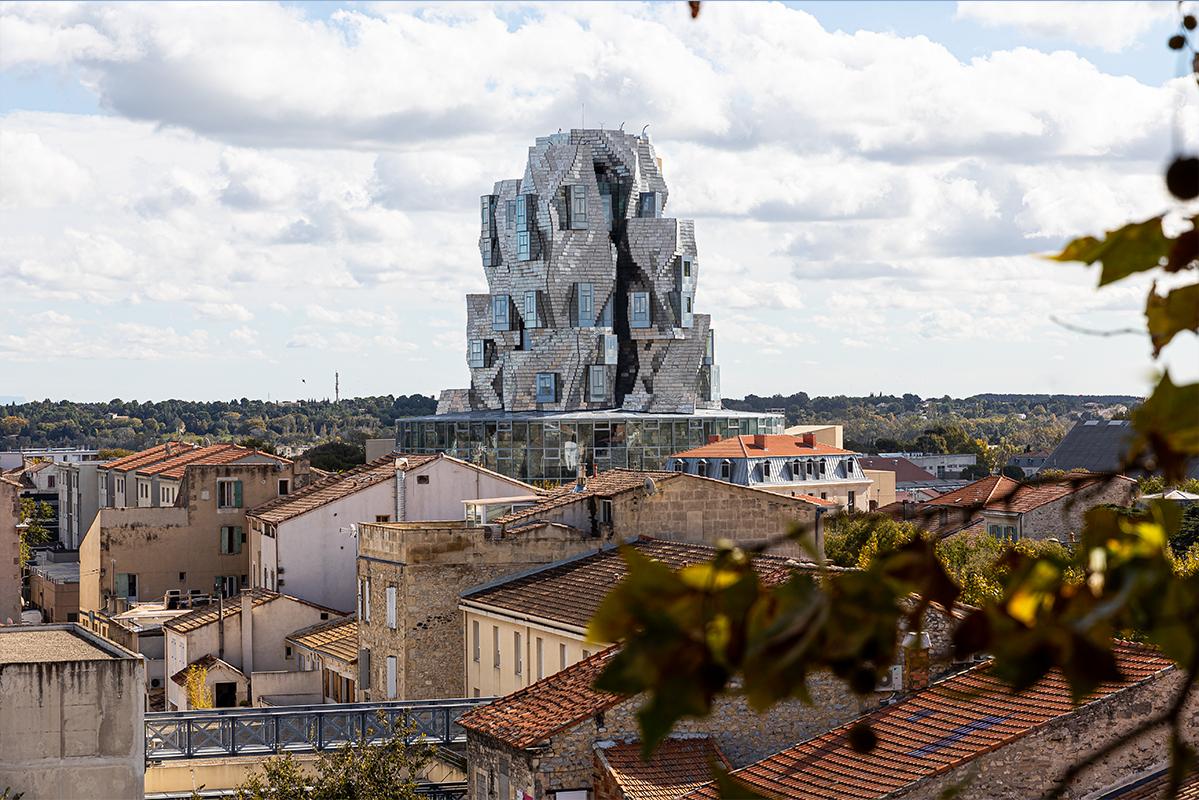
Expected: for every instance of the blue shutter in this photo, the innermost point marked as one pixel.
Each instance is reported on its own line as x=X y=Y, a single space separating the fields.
x=237 y=494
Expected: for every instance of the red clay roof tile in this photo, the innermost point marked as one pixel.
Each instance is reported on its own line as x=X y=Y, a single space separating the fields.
x=678 y=765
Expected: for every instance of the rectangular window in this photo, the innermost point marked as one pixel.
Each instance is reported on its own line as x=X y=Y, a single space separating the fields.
x=475 y=355
x=611 y=348
x=639 y=316
x=685 y=268
x=726 y=470
x=232 y=538
x=391 y=607
x=361 y=598
x=765 y=470
x=686 y=316
x=561 y=657
x=517 y=656
x=510 y=214
x=578 y=207
x=547 y=387
x=499 y=312
x=701 y=468
x=422 y=480
x=485 y=206
x=852 y=497
x=475 y=643
x=284 y=486
x=586 y=304
x=531 y=318
x=495 y=646
x=127 y=585
x=228 y=493
x=524 y=246
x=392 y=690
x=540 y=658
x=606 y=512
x=522 y=212
x=597 y=384
x=649 y=205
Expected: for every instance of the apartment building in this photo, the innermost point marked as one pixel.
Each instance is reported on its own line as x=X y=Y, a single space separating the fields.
x=10 y=550
x=305 y=542
x=54 y=587
x=195 y=545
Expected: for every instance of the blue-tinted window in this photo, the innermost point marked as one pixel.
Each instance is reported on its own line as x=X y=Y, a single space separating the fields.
x=649 y=205
x=586 y=304
x=639 y=310
x=485 y=206
x=522 y=212
x=686 y=315
x=578 y=207
x=547 y=387
x=597 y=384
x=510 y=214
x=475 y=357
x=530 y=311
x=499 y=312
x=524 y=250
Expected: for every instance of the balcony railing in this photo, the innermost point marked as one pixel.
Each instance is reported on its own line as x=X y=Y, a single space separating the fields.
x=216 y=733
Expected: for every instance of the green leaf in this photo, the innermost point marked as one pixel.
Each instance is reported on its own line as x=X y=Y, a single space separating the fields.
x=1167 y=429
x=1137 y=247
x=1177 y=311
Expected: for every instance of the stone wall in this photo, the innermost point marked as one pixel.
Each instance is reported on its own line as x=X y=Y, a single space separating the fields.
x=430 y=564
x=1063 y=519
x=1028 y=766
x=10 y=552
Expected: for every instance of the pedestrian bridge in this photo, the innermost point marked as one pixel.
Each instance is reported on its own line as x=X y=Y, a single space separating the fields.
x=226 y=732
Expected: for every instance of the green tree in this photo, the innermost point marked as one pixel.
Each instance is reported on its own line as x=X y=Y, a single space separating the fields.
x=390 y=769
x=35 y=517
x=336 y=456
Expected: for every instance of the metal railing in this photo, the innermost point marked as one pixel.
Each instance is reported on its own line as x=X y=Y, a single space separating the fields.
x=216 y=733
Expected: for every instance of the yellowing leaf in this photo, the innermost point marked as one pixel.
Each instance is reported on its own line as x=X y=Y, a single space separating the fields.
x=1137 y=247
x=1168 y=315
x=1034 y=594
x=708 y=577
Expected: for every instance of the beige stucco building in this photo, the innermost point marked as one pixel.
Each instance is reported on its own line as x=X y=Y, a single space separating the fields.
x=134 y=554
x=54 y=589
x=71 y=718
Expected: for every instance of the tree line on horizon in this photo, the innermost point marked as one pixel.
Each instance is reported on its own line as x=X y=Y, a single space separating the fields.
x=994 y=426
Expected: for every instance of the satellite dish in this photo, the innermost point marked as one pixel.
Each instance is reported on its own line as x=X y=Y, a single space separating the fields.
x=651 y=488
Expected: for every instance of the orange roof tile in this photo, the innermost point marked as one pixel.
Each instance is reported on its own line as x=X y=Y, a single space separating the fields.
x=232 y=607
x=336 y=637
x=187 y=457
x=777 y=445
x=905 y=471
x=929 y=733
x=570 y=591
x=537 y=712
x=159 y=452
x=208 y=661
x=227 y=455
x=678 y=765
x=978 y=493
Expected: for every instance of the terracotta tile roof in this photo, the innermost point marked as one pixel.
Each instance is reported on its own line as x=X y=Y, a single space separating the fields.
x=678 y=765
x=156 y=453
x=207 y=662
x=1034 y=494
x=606 y=484
x=337 y=638
x=334 y=487
x=939 y=521
x=8 y=480
x=1153 y=787
x=232 y=607
x=818 y=501
x=931 y=732
x=226 y=455
x=570 y=591
x=905 y=471
x=537 y=712
x=776 y=445
x=189 y=456
x=976 y=494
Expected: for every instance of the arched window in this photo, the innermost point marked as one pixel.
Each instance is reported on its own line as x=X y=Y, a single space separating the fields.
x=796 y=469
x=765 y=470
x=679 y=466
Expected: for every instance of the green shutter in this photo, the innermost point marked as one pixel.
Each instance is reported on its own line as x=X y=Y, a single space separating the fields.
x=122 y=584
x=237 y=494
x=224 y=540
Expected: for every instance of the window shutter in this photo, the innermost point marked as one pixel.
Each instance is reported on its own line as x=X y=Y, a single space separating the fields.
x=391 y=678
x=364 y=668
x=224 y=540
x=122 y=584
x=391 y=607
x=237 y=495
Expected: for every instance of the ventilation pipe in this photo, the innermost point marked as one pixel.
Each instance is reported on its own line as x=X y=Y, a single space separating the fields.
x=401 y=467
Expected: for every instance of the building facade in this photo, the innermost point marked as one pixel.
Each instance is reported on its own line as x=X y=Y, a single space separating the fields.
x=587 y=347
x=305 y=542
x=797 y=466
x=10 y=550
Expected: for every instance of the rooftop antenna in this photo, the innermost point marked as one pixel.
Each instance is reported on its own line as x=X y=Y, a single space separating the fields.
x=622 y=127
x=336 y=387
x=643 y=127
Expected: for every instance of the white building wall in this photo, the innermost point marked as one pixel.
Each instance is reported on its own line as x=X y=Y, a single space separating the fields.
x=449 y=483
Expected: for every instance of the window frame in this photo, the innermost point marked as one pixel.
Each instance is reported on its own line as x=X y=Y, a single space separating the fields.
x=585 y=312
x=501 y=321
x=593 y=395
x=640 y=316
x=546 y=381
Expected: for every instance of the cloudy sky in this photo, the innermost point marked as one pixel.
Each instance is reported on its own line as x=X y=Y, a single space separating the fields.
x=220 y=201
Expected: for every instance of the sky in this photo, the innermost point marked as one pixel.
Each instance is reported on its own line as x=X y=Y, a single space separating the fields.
x=220 y=201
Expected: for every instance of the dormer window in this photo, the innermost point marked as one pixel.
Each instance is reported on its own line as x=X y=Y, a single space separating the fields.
x=796 y=469
x=726 y=470
x=678 y=465
x=585 y=302
x=701 y=468
x=765 y=470
x=639 y=310
x=547 y=387
x=531 y=318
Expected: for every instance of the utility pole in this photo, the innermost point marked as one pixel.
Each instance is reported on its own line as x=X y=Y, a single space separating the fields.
x=336 y=387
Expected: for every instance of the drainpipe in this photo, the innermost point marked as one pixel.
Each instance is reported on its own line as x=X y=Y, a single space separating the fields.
x=401 y=468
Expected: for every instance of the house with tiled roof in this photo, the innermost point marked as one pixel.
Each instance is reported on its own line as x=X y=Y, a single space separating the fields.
x=796 y=466
x=243 y=639
x=523 y=627
x=173 y=523
x=305 y=542
x=1049 y=508
x=972 y=736
x=561 y=737
x=330 y=648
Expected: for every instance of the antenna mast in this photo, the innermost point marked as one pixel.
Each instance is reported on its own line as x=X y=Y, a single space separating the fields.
x=336 y=387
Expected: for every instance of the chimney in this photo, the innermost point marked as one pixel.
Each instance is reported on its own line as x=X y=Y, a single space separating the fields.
x=808 y=439
x=760 y=441
x=915 y=661
x=247 y=633
x=713 y=438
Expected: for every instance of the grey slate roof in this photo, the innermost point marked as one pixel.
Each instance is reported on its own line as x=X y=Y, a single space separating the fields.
x=1097 y=445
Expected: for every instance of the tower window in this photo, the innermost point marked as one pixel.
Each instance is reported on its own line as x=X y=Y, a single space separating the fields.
x=499 y=312
x=547 y=387
x=639 y=311
x=586 y=304
x=578 y=207
x=597 y=384
x=531 y=320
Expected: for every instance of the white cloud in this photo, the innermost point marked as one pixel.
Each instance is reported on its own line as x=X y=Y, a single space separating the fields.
x=1110 y=26
x=33 y=175
x=231 y=311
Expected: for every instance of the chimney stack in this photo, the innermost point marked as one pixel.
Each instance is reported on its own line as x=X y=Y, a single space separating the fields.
x=713 y=438
x=760 y=441
x=915 y=661
x=809 y=439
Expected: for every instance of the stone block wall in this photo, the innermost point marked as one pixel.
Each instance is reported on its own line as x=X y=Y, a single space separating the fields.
x=1063 y=519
